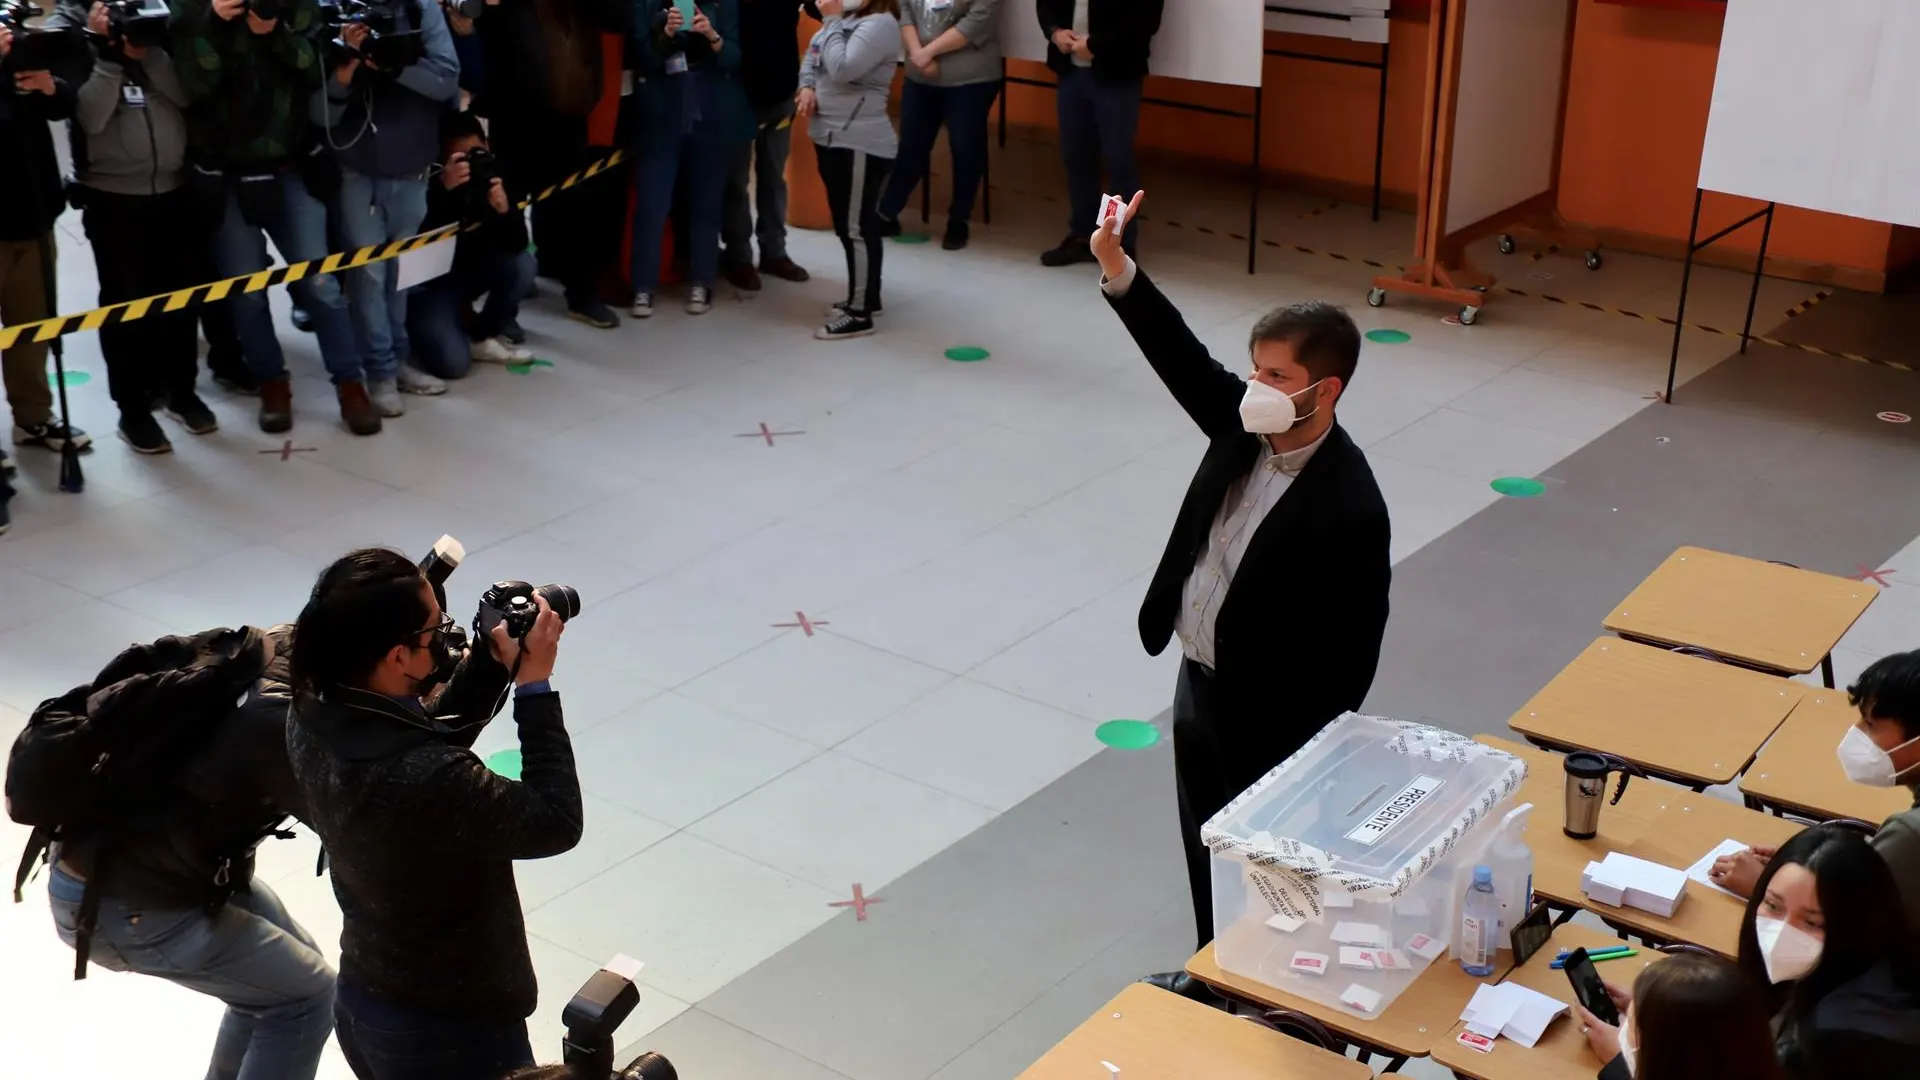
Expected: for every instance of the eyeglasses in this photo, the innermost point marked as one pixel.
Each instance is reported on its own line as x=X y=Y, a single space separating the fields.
x=445 y=626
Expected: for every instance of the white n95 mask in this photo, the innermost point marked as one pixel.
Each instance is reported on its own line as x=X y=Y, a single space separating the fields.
x=1266 y=411
x=1865 y=763
x=1789 y=951
x=1629 y=1053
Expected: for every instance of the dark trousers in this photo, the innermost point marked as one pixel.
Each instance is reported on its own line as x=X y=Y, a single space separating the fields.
x=695 y=164
x=441 y=321
x=140 y=245
x=382 y=1041
x=1097 y=124
x=764 y=162
x=538 y=148
x=854 y=181
x=923 y=109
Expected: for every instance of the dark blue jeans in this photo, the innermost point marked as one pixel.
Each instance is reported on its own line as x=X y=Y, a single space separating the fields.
x=923 y=108
x=1097 y=123
x=299 y=230
x=382 y=1041
x=437 y=310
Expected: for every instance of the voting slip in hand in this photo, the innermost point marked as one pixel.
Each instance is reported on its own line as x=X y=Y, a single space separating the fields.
x=1114 y=211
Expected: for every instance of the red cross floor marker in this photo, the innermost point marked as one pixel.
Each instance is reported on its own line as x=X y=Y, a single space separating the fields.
x=287 y=450
x=1878 y=577
x=766 y=433
x=860 y=902
x=804 y=624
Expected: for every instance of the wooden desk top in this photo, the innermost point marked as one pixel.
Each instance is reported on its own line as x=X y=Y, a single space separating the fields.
x=1799 y=771
x=1410 y=1027
x=1671 y=714
x=1759 y=613
x=1562 y=1053
x=1153 y=1035
x=1654 y=821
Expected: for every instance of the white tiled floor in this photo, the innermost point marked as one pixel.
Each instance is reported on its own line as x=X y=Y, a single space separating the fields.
x=971 y=538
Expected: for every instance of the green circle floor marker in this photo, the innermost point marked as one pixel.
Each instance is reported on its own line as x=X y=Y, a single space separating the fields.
x=1519 y=487
x=967 y=354
x=912 y=238
x=74 y=378
x=1127 y=734
x=1389 y=337
x=505 y=762
x=528 y=366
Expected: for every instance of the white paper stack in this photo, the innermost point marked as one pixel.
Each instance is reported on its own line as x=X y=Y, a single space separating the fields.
x=1624 y=881
x=1512 y=1010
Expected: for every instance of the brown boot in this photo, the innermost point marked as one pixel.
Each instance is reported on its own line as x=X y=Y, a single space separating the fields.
x=783 y=268
x=276 y=405
x=744 y=277
x=356 y=408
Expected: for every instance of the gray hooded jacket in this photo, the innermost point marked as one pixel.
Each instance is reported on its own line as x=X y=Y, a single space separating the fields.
x=849 y=67
x=132 y=117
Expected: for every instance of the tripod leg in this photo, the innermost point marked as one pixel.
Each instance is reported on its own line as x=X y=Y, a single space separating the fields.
x=72 y=479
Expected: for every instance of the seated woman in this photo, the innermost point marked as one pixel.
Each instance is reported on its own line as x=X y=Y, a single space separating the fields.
x=1688 y=1016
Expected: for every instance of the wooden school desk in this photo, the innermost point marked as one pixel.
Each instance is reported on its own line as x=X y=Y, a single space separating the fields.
x=1149 y=1034
x=1654 y=821
x=1798 y=771
x=1410 y=1027
x=1768 y=616
x=1562 y=1053
x=1681 y=717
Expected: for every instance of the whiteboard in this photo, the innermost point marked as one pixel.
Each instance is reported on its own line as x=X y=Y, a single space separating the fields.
x=1215 y=41
x=1506 y=119
x=1818 y=106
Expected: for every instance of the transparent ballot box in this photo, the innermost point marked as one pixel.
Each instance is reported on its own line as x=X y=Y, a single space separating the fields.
x=1338 y=876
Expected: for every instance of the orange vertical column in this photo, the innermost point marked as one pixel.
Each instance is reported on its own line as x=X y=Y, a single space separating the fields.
x=806 y=195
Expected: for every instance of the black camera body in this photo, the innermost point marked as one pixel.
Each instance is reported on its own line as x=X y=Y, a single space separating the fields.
x=37 y=48
x=483 y=168
x=141 y=23
x=511 y=604
x=596 y=1011
x=386 y=47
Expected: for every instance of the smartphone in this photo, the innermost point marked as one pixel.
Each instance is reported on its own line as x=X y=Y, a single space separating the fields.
x=1588 y=989
x=1533 y=932
x=687 y=13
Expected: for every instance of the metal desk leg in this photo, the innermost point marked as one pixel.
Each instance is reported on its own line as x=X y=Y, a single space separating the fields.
x=1826 y=670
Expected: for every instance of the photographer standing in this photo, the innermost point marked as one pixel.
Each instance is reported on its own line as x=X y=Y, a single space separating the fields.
x=436 y=981
x=384 y=127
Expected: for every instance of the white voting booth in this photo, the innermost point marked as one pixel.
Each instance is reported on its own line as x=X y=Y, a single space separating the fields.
x=1814 y=105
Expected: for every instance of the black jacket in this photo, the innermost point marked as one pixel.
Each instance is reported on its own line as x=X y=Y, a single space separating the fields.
x=1297 y=639
x=498 y=234
x=1120 y=33
x=769 y=51
x=1867 y=1027
x=31 y=195
x=422 y=837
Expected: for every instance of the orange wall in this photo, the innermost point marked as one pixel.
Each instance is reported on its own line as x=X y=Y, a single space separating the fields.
x=1637 y=105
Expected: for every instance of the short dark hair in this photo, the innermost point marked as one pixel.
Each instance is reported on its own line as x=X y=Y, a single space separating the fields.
x=461 y=125
x=1890 y=690
x=1701 y=1016
x=363 y=605
x=1322 y=335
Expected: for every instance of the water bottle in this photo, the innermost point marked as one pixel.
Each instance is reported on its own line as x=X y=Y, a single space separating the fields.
x=1479 y=916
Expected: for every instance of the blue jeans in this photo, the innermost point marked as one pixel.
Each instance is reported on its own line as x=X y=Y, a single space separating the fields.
x=384 y=1041
x=1097 y=123
x=374 y=210
x=923 y=108
x=299 y=230
x=697 y=160
x=437 y=310
x=250 y=954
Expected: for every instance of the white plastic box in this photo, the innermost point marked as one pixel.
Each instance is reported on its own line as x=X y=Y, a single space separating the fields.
x=1335 y=876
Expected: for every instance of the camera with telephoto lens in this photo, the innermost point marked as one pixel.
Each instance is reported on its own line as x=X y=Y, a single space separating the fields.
x=36 y=48
x=483 y=168
x=140 y=23
x=386 y=47
x=596 y=1011
x=511 y=603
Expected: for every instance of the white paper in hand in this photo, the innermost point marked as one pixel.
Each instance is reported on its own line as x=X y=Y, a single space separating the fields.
x=1698 y=871
x=1113 y=212
x=424 y=264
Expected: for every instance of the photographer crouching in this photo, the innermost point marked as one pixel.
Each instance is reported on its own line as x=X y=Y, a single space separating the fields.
x=436 y=980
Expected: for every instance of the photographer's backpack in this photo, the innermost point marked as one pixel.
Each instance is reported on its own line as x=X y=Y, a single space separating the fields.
x=103 y=753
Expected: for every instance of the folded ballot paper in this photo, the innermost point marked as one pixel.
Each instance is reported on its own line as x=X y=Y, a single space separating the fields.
x=1624 y=881
x=1512 y=1010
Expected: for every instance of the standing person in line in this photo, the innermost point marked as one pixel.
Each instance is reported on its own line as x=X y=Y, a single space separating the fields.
x=1098 y=49
x=690 y=110
x=844 y=84
x=770 y=73
x=1275 y=578
x=953 y=75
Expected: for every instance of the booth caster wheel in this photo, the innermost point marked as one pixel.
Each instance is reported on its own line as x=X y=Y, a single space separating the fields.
x=1507 y=246
x=1593 y=259
x=1377 y=298
x=1468 y=315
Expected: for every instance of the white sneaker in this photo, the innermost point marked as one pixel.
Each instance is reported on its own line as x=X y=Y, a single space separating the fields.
x=385 y=394
x=495 y=351
x=414 y=381
x=699 y=300
x=643 y=305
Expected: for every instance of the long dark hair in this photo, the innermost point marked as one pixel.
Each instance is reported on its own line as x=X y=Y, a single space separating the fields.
x=1865 y=922
x=1698 y=1016
x=362 y=606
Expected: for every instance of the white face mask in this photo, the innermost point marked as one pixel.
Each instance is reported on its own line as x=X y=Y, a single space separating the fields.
x=848 y=7
x=1629 y=1052
x=1266 y=411
x=1789 y=951
x=1864 y=761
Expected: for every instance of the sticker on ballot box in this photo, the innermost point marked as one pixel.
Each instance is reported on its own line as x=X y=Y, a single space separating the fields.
x=1394 y=810
x=1309 y=963
x=1424 y=947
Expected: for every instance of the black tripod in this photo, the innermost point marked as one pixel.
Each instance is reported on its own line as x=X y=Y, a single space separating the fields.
x=72 y=479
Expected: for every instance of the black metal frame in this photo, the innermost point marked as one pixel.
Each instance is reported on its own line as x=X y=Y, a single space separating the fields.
x=1380 y=119
x=1694 y=247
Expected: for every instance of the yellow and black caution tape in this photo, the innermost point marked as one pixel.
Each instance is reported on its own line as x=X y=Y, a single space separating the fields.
x=132 y=310
x=1808 y=304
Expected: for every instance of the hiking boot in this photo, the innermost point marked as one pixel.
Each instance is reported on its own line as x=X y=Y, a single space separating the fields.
x=699 y=300
x=1074 y=249
x=385 y=395
x=52 y=435
x=139 y=430
x=744 y=277
x=191 y=413
x=844 y=326
x=414 y=381
x=276 y=406
x=785 y=269
x=356 y=408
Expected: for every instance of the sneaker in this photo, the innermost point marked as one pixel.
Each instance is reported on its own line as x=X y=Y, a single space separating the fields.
x=141 y=431
x=957 y=236
x=276 y=406
x=191 y=413
x=302 y=321
x=642 y=305
x=744 y=277
x=593 y=313
x=845 y=325
x=785 y=269
x=839 y=308
x=7 y=467
x=889 y=226
x=51 y=435
x=414 y=381
x=385 y=395
x=1074 y=249
x=234 y=378
x=699 y=300
x=511 y=333
x=356 y=407
x=497 y=351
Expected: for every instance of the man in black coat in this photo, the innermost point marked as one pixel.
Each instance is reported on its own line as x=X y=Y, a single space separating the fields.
x=1276 y=576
